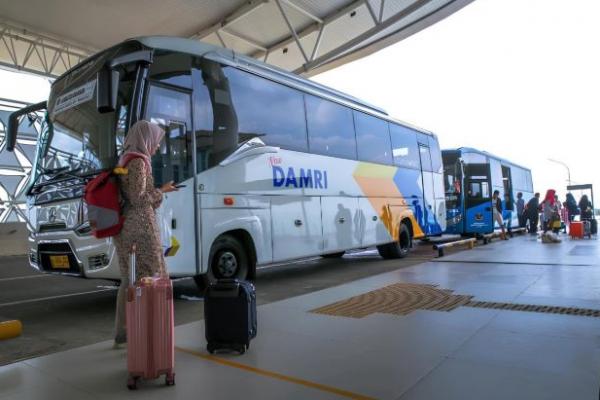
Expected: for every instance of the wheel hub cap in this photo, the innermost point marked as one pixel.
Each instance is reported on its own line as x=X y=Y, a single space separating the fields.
x=227 y=264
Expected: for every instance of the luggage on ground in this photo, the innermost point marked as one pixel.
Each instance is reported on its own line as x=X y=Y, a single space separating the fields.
x=230 y=315
x=576 y=229
x=550 y=237
x=150 y=333
x=587 y=228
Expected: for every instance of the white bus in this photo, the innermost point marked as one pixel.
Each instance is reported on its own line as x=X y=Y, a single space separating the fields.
x=275 y=167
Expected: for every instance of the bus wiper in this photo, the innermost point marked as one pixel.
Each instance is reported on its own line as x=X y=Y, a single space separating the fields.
x=67 y=173
x=50 y=171
x=58 y=173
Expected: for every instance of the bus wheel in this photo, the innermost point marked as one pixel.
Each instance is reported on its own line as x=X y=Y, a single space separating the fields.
x=399 y=249
x=333 y=255
x=228 y=259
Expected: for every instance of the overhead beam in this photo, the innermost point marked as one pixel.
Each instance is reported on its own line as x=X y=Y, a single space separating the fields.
x=292 y=30
x=354 y=52
x=54 y=56
x=313 y=27
x=303 y=11
x=349 y=45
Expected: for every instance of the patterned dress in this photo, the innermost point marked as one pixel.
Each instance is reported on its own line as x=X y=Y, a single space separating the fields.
x=140 y=227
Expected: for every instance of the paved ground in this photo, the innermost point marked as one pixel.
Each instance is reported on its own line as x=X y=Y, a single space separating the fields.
x=59 y=313
x=502 y=321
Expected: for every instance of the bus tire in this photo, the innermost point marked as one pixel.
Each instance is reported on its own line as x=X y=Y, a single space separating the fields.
x=334 y=255
x=228 y=259
x=399 y=249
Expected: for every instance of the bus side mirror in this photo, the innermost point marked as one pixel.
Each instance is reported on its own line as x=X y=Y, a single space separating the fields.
x=107 y=87
x=11 y=131
x=13 y=123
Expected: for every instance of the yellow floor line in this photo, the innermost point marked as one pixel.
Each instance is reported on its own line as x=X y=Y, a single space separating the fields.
x=275 y=375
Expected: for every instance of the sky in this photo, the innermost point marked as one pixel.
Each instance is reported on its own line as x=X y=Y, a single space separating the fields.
x=518 y=78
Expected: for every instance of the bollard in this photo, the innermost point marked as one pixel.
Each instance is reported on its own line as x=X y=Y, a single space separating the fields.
x=10 y=329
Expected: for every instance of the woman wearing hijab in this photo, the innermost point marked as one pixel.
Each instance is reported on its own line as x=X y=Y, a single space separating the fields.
x=549 y=208
x=572 y=206
x=141 y=199
x=586 y=207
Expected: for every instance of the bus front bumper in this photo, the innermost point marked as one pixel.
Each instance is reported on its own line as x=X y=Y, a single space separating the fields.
x=67 y=253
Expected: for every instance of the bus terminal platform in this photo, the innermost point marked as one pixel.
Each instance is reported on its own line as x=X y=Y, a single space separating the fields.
x=514 y=319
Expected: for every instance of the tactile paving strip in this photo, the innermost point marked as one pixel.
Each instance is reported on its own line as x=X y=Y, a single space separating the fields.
x=404 y=298
x=398 y=299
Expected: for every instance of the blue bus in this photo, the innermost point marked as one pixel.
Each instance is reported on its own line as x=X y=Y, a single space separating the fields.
x=470 y=178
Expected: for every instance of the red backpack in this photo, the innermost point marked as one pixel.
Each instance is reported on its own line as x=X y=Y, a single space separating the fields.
x=103 y=199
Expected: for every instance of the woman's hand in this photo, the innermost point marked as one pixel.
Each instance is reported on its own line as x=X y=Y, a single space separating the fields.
x=168 y=187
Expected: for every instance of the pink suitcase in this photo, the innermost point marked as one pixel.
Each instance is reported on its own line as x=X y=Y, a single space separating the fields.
x=150 y=334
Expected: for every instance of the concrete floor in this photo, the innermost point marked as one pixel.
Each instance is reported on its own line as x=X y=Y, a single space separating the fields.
x=467 y=353
x=60 y=313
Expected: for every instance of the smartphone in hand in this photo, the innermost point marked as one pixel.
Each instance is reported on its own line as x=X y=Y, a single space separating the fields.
x=179 y=186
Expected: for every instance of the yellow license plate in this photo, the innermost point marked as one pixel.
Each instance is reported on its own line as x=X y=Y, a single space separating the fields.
x=59 y=262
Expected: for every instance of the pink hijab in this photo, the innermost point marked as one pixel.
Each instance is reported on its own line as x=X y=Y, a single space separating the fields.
x=141 y=140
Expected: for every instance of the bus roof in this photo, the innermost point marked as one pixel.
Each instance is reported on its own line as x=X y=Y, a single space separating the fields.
x=473 y=150
x=198 y=48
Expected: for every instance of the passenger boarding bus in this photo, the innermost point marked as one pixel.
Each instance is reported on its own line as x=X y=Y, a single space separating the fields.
x=275 y=167
x=470 y=178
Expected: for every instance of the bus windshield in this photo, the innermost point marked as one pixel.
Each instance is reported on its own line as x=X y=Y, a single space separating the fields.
x=80 y=140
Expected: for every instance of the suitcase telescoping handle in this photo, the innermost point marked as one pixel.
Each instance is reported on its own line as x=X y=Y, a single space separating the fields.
x=132 y=266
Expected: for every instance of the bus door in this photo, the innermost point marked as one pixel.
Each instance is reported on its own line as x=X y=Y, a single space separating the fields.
x=428 y=194
x=478 y=205
x=508 y=200
x=170 y=107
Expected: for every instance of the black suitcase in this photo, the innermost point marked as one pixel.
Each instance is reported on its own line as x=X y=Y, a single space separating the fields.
x=229 y=315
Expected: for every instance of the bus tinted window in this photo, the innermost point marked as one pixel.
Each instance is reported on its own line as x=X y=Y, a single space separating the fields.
x=436 y=155
x=269 y=110
x=330 y=128
x=425 y=158
x=404 y=146
x=372 y=139
x=478 y=190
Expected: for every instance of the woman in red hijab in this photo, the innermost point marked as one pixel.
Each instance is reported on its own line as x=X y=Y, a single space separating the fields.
x=549 y=208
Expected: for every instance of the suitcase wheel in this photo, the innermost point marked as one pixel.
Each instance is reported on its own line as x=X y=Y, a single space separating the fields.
x=242 y=349
x=132 y=383
x=170 y=379
x=210 y=348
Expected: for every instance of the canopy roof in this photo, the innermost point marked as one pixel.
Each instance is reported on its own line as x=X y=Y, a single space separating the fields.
x=304 y=36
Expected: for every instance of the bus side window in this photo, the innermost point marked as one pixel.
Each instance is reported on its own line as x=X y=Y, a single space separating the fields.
x=330 y=128
x=436 y=155
x=475 y=190
x=270 y=110
x=479 y=190
x=372 y=139
x=404 y=146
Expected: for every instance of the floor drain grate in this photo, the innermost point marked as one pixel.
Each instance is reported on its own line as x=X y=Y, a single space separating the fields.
x=404 y=298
